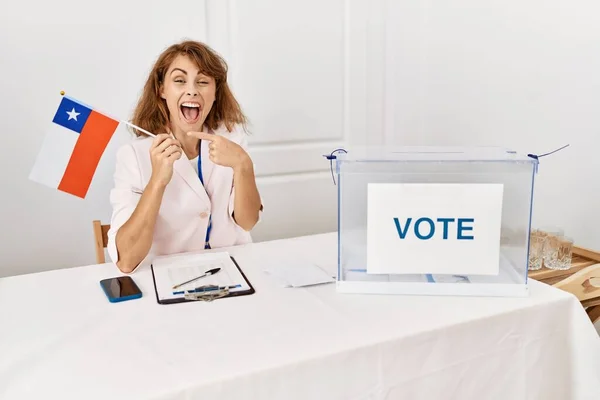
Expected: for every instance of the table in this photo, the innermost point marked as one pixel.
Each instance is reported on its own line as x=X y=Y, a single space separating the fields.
x=61 y=338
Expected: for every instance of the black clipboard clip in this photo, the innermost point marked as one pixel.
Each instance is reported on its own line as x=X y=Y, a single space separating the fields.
x=207 y=293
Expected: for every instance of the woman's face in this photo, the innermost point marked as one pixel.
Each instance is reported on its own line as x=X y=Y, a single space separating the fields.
x=189 y=95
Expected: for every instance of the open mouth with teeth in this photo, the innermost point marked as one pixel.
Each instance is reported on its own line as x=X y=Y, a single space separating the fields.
x=190 y=112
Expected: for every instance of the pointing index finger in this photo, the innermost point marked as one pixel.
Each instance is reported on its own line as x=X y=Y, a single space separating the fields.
x=202 y=135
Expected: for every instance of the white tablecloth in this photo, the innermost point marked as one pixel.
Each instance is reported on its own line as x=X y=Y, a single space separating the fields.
x=61 y=339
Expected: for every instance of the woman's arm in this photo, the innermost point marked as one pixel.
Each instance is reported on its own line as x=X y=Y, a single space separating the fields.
x=247 y=203
x=134 y=238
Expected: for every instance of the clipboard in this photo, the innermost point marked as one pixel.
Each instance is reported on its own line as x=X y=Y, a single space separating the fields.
x=209 y=297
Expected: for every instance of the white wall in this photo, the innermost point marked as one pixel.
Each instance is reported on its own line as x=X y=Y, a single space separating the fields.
x=311 y=75
x=523 y=74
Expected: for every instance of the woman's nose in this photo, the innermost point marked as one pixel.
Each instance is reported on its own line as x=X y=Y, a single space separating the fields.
x=192 y=90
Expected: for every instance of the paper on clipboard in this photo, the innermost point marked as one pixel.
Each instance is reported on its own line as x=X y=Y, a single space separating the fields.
x=174 y=269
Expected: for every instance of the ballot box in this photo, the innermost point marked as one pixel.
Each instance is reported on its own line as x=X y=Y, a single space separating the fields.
x=433 y=220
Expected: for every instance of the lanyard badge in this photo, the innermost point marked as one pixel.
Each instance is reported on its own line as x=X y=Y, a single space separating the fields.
x=206 y=241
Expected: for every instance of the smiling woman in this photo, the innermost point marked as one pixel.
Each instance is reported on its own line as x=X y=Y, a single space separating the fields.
x=212 y=199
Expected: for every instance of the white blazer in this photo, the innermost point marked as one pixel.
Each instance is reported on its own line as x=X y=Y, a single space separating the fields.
x=183 y=216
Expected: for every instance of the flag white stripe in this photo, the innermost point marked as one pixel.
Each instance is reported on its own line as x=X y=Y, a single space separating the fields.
x=54 y=156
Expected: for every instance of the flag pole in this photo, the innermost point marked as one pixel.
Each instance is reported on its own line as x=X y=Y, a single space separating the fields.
x=138 y=128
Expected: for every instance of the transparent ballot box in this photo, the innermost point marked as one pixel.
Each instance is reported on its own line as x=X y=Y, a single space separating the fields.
x=429 y=220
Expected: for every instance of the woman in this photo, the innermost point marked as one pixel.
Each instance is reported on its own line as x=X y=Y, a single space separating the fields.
x=193 y=186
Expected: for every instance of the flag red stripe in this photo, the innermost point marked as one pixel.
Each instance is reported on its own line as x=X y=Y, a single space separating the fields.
x=90 y=146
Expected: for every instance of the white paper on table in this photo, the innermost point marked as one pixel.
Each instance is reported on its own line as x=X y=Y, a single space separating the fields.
x=299 y=274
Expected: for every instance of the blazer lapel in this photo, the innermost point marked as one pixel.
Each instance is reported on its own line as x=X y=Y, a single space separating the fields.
x=185 y=170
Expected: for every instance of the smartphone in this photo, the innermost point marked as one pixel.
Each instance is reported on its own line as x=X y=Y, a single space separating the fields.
x=121 y=288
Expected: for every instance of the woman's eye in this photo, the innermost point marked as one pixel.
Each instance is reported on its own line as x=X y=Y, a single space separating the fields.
x=203 y=82
x=179 y=80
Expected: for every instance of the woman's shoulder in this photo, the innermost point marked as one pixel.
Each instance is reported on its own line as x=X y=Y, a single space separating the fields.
x=132 y=149
x=137 y=144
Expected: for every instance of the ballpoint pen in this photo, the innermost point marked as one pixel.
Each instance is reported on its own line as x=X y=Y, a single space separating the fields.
x=207 y=273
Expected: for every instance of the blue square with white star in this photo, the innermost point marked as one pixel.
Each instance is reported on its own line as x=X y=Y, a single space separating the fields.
x=71 y=114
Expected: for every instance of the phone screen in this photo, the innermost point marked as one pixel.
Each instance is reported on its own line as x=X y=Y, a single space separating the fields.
x=120 y=288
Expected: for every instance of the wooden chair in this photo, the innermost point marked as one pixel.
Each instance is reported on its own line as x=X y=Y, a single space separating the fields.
x=101 y=240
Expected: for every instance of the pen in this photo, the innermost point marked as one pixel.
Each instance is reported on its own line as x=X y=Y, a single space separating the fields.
x=207 y=273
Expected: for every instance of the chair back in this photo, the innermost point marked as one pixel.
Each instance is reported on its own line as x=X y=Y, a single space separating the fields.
x=100 y=240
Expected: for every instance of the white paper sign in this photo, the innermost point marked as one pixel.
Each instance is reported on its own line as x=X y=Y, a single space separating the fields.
x=434 y=228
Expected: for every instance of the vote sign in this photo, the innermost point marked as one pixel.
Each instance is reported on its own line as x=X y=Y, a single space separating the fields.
x=434 y=228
